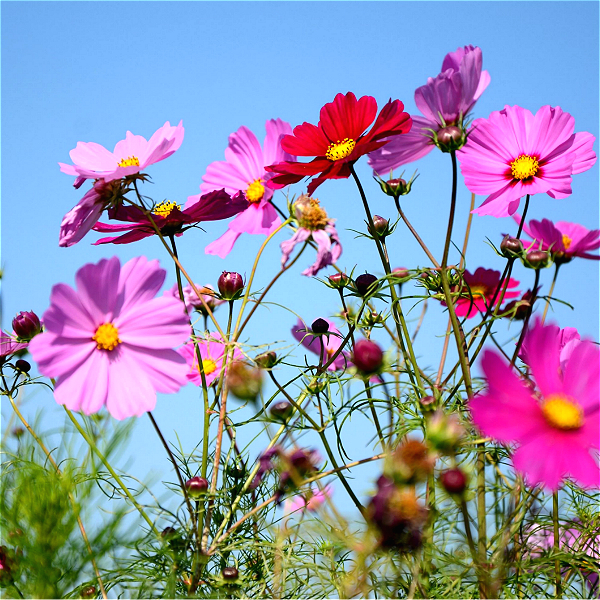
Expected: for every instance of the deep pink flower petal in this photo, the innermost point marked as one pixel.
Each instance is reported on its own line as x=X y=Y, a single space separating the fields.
x=581 y=377
x=80 y=219
x=245 y=155
x=100 y=301
x=67 y=315
x=583 y=148
x=543 y=357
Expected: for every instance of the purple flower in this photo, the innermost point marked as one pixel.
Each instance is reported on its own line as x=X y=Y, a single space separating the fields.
x=444 y=101
x=313 y=223
x=9 y=345
x=192 y=300
x=110 y=341
x=331 y=342
x=243 y=170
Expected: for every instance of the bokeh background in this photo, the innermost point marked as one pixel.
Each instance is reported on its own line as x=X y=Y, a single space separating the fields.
x=90 y=71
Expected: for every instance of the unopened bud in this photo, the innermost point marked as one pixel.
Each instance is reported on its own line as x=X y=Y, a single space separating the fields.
x=400 y=272
x=26 y=325
x=339 y=280
x=320 y=326
x=266 y=360
x=365 y=284
x=196 y=486
x=230 y=573
x=23 y=366
x=511 y=246
x=367 y=357
x=380 y=227
x=89 y=591
x=244 y=381
x=230 y=285
x=396 y=187
x=427 y=403
x=281 y=410
x=450 y=138
x=444 y=432
x=454 y=481
x=537 y=259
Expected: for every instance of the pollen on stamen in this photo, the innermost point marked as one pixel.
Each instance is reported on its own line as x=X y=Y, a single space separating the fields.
x=340 y=149
x=106 y=337
x=567 y=241
x=562 y=412
x=130 y=161
x=524 y=167
x=255 y=191
x=208 y=366
x=164 y=209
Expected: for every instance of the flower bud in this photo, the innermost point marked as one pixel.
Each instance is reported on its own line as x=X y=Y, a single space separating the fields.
x=26 y=325
x=230 y=285
x=339 y=280
x=450 y=138
x=365 y=284
x=537 y=259
x=427 y=403
x=454 y=481
x=380 y=227
x=196 y=486
x=89 y=591
x=168 y=532
x=23 y=366
x=444 y=432
x=396 y=187
x=367 y=357
x=400 y=272
x=320 y=326
x=511 y=246
x=281 y=410
x=412 y=462
x=316 y=386
x=244 y=381
x=230 y=573
x=518 y=309
x=266 y=360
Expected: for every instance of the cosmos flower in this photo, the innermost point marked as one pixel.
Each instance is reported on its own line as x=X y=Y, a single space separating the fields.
x=444 y=101
x=191 y=299
x=313 y=223
x=131 y=155
x=562 y=238
x=514 y=153
x=243 y=170
x=9 y=345
x=109 y=342
x=317 y=498
x=331 y=342
x=169 y=217
x=339 y=139
x=478 y=291
x=556 y=427
x=212 y=352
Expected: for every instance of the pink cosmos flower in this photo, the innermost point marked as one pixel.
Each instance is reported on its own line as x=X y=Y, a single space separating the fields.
x=131 y=155
x=313 y=224
x=191 y=299
x=243 y=170
x=563 y=238
x=109 y=342
x=169 y=217
x=514 y=153
x=331 y=343
x=556 y=427
x=9 y=345
x=444 y=101
x=478 y=291
x=317 y=498
x=212 y=351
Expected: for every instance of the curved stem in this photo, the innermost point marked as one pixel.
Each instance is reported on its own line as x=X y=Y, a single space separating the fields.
x=556 y=267
x=452 y=210
x=434 y=262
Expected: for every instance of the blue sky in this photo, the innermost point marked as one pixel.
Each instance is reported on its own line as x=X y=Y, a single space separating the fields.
x=90 y=71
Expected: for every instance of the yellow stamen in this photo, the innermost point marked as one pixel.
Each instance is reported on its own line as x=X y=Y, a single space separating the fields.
x=309 y=213
x=567 y=241
x=562 y=412
x=524 y=167
x=339 y=150
x=164 y=209
x=209 y=366
x=130 y=161
x=255 y=191
x=107 y=337
x=477 y=291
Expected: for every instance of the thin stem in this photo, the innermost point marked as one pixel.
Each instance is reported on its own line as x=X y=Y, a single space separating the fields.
x=556 y=267
x=374 y=413
x=416 y=236
x=452 y=210
x=557 y=573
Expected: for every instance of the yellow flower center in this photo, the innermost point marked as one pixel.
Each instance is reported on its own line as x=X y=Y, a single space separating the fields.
x=310 y=214
x=107 y=337
x=209 y=366
x=164 y=209
x=567 y=241
x=130 y=161
x=562 y=412
x=255 y=191
x=524 y=167
x=339 y=150
x=477 y=291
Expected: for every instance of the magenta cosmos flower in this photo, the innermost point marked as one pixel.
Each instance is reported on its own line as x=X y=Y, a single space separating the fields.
x=243 y=170
x=131 y=155
x=331 y=343
x=109 y=342
x=313 y=223
x=557 y=426
x=169 y=217
x=565 y=239
x=514 y=153
x=212 y=352
x=9 y=345
x=339 y=140
x=444 y=101
x=479 y=290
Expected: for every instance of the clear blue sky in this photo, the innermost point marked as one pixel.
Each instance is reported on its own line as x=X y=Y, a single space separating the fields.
x=90 y=71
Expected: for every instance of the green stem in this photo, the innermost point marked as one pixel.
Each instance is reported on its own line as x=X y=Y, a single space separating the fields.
x=557 y=574
x=556 y=267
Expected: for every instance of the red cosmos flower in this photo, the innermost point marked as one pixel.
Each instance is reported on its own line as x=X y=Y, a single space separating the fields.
x=339 y=139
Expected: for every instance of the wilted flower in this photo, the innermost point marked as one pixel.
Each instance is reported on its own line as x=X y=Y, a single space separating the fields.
x=412 y=461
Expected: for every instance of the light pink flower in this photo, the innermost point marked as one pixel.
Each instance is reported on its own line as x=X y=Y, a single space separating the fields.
x=109 y=342
x=243 y=170
x=192 y=300
x=131 y=155
x=331 y=342
x=9 y=345
x=212 y=352
x=566 y=239
x=514 y=153
x=557 y=427
x=444 y=101
x=317 y=498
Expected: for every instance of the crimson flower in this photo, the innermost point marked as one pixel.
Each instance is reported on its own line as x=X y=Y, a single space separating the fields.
x=339 y=139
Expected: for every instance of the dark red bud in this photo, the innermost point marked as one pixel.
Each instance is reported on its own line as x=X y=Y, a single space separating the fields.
x=427 y=402
x=367 y=356
x=266 y=360
x=230 y=285
x=339 y=280
x=449 y=134
x=511 y=246
x=26 y=325
x=230 y=573
x=537 y=258
x=89 y=591
x=320 y=326
x=23 y=366
x=454 y=481
x=281 y=410
x=364 y=284
x=380 y=226
x=196 y=486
